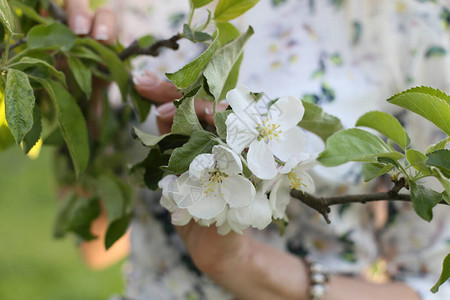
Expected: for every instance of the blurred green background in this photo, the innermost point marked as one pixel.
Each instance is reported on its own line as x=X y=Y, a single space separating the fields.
x=33 y=265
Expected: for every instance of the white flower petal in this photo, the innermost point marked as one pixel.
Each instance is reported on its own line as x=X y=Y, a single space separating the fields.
x=237 y=191
x=181 y=217
x=209 y=206
x=239 y=134
x=224 y=229
x=227 y=160
x=290 y=143
x=287 y=112
x=168 y=204
x=244 y=106
x=185 y=191
x=221 y=219
x=261 y=161
x=238 y=219
x=201 y=165
x=280 y=197
x=261 y=212
x=206 y=223
x=293 y=161
x=165 y=184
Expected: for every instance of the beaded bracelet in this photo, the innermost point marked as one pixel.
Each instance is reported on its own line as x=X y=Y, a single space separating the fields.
x=318 y=280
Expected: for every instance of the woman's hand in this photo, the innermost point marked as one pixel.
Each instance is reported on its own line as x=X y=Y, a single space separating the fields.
x=100 y=25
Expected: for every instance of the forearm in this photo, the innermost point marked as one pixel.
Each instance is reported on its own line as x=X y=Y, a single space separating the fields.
x=267 y=273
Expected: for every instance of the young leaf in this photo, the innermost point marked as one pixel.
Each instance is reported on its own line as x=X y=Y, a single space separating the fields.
x=27 y=62
x=200 y=3
x=6 y=138
x=423 y=200
x=117 y=229
x=227 y=10
x=185 y=121
x=220 y=118
x=112 y=61
x=51 y=36
x=200 y=142
x=441 y=160
x=418 y=161
x=373 y=170
x=6 y=16
x=219 y=68
x=187 y=75
x=445 y=275
x=385 y=124
x=146 y=139
x=19 y=103
x=228 y=32
x=146 y=41
x=85 y=53
x=82 y=74
x=71 y=122
x=318 y=122
x=354 y=145
x=438 y=146
x=431 y=104
x=34 y=134
x=31 y=13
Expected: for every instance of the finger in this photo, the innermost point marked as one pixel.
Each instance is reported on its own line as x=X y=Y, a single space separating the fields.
x=150 y=86
x=78 y=16
x=105 y=26
x=204 y=110
x=166 y=113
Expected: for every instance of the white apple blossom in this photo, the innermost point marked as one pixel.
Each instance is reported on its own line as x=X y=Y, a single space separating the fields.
x=180 y=216
x=293 y=175
x=268 y=136
x=212 y=183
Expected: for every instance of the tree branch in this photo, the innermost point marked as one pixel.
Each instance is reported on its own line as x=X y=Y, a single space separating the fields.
x=322 y=204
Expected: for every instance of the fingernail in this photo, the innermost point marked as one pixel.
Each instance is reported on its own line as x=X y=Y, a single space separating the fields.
x=147 y=79
x=81 y=25
x=207 y=111
x=165 y=109
x=102 y=32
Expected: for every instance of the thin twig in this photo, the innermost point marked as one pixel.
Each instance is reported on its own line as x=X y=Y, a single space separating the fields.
x=322 y=204
x=153 y=50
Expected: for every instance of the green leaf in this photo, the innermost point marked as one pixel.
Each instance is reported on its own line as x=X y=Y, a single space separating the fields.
x=200 y=3
x=31 y=13
x=6 y=138
x=423 y=200
x=445 y=275
x=141 y=105
x=80 y=214
x=34 y=134
x=418 y=161
x=228 y=32
x=202 y=37
x=435 y=51
x=147 y=139
x=27 y=62
x=51 y=36
x=318 y=122
x=200 y=142
x=112 y=61
x=117 y=229
x=187 y=75
x=441 y=160
x=193 y=92
x=19 y=103
x=185 y=121
x=109 y=190
x=385 y=124
x=354 y=145
x=219 y=68
x=374 y=170
x=438 y=146
x=220 y=118
x=233 y=77
x=82 y=74
x=153 y=173
x=86 y=53
x=71 y=122
x=431 y=104
x=230 y=9
x=6 y=17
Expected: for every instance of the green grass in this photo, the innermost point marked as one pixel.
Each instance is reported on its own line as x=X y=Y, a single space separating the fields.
x=33 y=265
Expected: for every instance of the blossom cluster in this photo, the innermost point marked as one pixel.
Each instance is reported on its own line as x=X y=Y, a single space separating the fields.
x=262 y=139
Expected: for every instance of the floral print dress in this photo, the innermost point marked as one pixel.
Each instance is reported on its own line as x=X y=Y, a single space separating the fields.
x=348 y=56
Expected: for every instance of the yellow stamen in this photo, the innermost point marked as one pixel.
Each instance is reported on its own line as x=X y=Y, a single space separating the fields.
x=295 y=181
x=268 y=131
